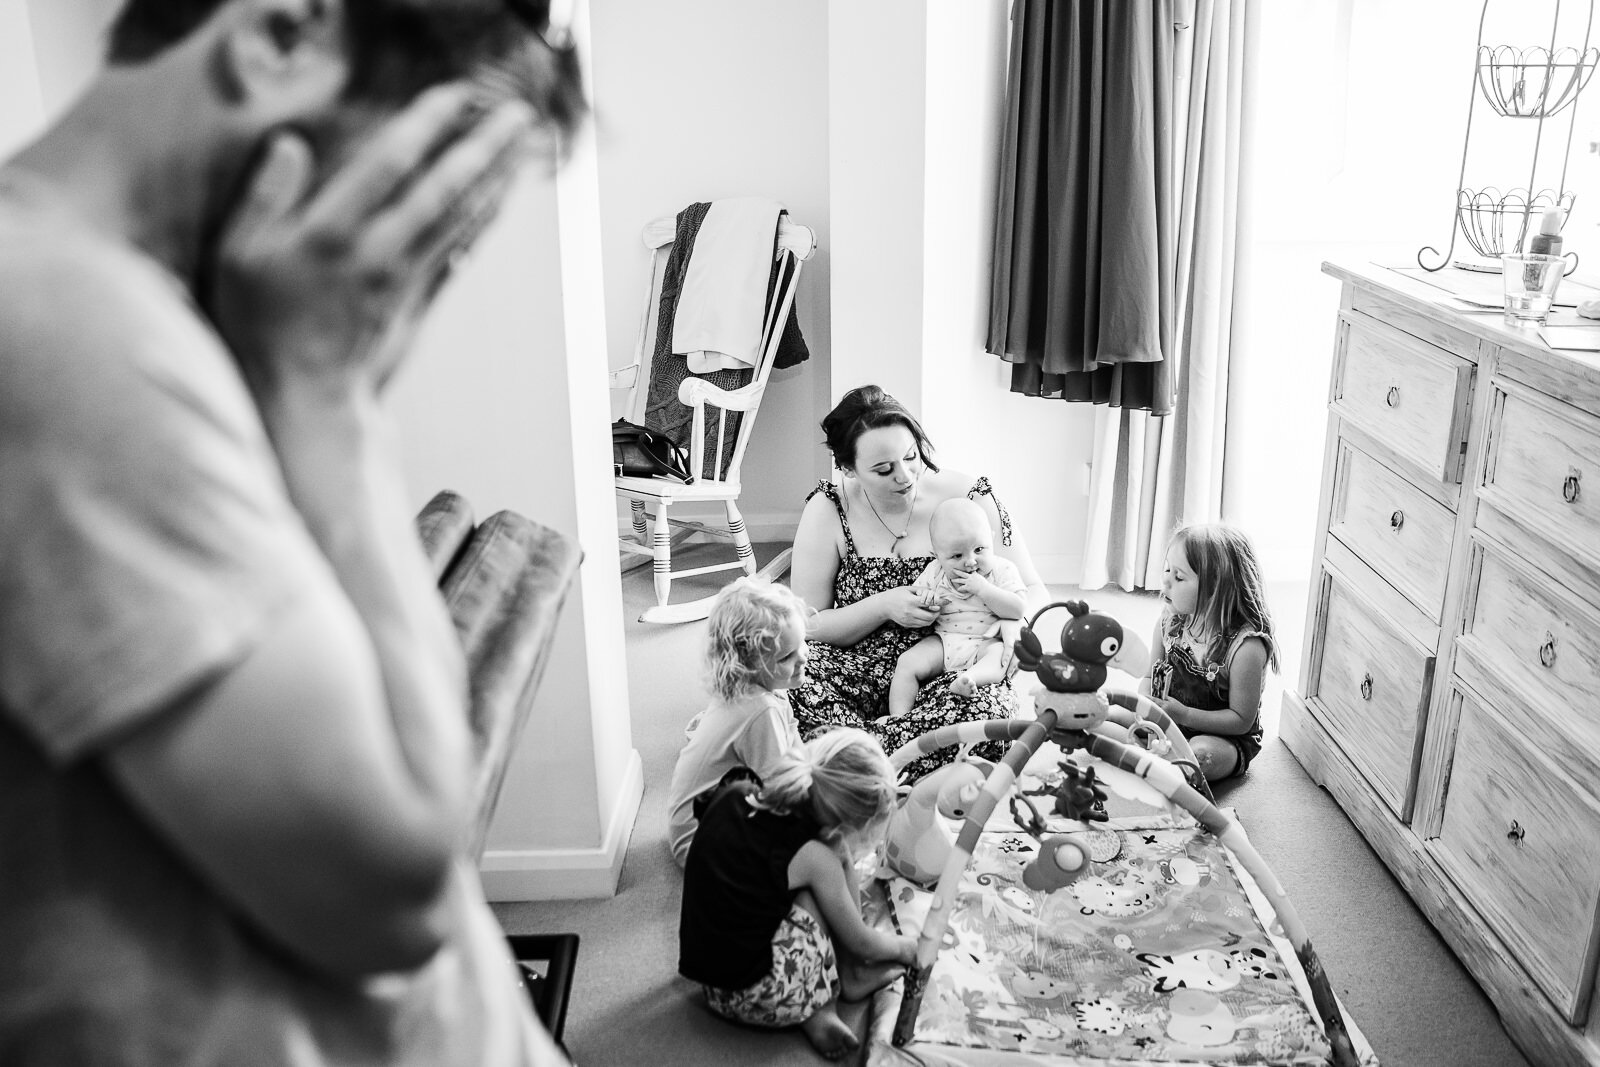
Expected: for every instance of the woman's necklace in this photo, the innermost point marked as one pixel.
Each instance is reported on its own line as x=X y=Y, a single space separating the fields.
x=898 y=537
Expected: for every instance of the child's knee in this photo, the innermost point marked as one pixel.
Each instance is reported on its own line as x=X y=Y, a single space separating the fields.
x=1217 y=757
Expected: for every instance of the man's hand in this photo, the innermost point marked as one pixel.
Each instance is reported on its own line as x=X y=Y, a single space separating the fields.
x=325 y=286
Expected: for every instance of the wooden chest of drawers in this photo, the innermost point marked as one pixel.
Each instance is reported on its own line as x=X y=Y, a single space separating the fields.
x=1449 y=695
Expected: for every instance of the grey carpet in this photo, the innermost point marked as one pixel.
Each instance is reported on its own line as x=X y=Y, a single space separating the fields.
x=1400 y=983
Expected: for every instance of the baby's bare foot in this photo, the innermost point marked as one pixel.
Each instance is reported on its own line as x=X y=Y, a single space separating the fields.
x=964 y=686
x=829 y=1034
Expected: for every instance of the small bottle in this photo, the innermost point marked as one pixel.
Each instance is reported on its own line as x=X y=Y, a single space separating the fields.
x=1547 y=242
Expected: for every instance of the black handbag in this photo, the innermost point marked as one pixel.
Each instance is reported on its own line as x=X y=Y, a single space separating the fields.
x=638 y=452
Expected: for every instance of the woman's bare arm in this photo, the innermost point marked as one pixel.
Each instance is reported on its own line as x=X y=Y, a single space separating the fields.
x=814 y=569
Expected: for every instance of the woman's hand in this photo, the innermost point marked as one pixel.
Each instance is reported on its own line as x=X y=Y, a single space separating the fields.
x=910 y=607
x=323 y=285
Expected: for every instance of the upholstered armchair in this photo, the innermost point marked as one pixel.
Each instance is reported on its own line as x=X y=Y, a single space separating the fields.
x=504 y=581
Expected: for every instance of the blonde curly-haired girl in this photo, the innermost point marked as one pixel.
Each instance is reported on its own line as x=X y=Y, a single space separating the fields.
x=755 y=650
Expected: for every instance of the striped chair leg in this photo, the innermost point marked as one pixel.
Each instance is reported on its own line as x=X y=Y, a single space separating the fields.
x=741 y=538
x=661 y=543
x=639 y=531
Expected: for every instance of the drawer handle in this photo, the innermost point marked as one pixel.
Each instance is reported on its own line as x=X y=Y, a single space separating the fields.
x=1516 y=833
x=1397 y=520
x=1393 y=397
x=1569 y=486
x=1547 y=651
x=1366 y=687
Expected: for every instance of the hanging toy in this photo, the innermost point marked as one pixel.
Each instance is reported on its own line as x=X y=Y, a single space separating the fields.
x=1061 y=860
x=1072 y=677
x=918 y=841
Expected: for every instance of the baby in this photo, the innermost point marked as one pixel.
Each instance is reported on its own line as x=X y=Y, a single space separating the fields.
x=975 y=589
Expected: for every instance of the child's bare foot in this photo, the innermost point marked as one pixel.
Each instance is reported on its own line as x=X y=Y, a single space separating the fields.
x=964 y=686
x=829 y=1034
x=861 y=980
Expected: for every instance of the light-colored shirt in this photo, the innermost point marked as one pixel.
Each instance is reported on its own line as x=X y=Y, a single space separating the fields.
x=752 y=731
x=966 y=613
x=148 y=546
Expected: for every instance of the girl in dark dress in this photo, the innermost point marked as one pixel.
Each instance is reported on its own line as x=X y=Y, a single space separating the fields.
x=771 y=923
x=1213 y=646
x=862 y=542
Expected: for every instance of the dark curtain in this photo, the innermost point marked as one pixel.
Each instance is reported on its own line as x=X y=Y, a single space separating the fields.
x=1082 y=297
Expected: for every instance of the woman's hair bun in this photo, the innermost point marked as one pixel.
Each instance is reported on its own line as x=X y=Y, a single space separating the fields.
x=864 y=408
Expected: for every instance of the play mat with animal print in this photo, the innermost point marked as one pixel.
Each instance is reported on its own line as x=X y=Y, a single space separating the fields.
x=1157 y=956
x=1167 y=952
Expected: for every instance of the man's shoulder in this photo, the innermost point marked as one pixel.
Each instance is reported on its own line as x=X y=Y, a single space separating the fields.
x=70 y=289
x=84 y=321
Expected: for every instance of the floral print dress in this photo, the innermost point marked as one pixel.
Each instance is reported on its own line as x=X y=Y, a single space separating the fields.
x=850 y=686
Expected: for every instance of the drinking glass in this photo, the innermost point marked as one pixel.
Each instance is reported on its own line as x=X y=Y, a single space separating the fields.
x=1530 y=283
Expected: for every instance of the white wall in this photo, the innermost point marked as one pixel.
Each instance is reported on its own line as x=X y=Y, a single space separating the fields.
x=913 y=191
x=68 y=36
x=877 y=89
x=504 y=400
x=21 y=101
x=703 y=99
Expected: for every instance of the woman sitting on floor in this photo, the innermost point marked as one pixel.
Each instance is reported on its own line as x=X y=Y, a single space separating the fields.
x=861 y=544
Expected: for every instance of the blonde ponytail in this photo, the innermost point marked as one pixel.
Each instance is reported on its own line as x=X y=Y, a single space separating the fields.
x=842 y=779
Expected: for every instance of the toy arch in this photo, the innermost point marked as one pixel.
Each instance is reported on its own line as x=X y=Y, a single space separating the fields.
x=1106 y=742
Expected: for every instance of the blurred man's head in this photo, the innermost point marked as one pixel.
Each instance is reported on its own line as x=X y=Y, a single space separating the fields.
x=396 y=48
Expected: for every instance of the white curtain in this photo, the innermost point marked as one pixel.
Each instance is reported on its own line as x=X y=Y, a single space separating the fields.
x=1154 y=473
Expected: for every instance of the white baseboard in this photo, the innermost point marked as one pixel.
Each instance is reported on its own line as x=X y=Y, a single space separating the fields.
x=569 y=873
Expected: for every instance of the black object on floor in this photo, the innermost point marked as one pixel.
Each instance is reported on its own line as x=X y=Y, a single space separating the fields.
x=548 y=987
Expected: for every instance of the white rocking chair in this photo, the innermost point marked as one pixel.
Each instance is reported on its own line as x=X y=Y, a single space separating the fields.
x=795 y=244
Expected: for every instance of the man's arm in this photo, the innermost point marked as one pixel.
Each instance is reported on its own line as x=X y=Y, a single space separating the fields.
x=323 y=784
x=286 y=786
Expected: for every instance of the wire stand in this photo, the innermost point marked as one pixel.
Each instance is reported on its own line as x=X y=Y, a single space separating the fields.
x=1527 y=83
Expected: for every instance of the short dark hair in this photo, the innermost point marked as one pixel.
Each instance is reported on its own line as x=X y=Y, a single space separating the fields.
x=869 y=408
x=400 y=47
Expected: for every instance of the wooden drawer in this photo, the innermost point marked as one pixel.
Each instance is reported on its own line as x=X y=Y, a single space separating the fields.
x=1522 y=841
x=1543 y=469
x=1369 y=685
x=1397 y=529
x=1408 y=394
x=1545 y=643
